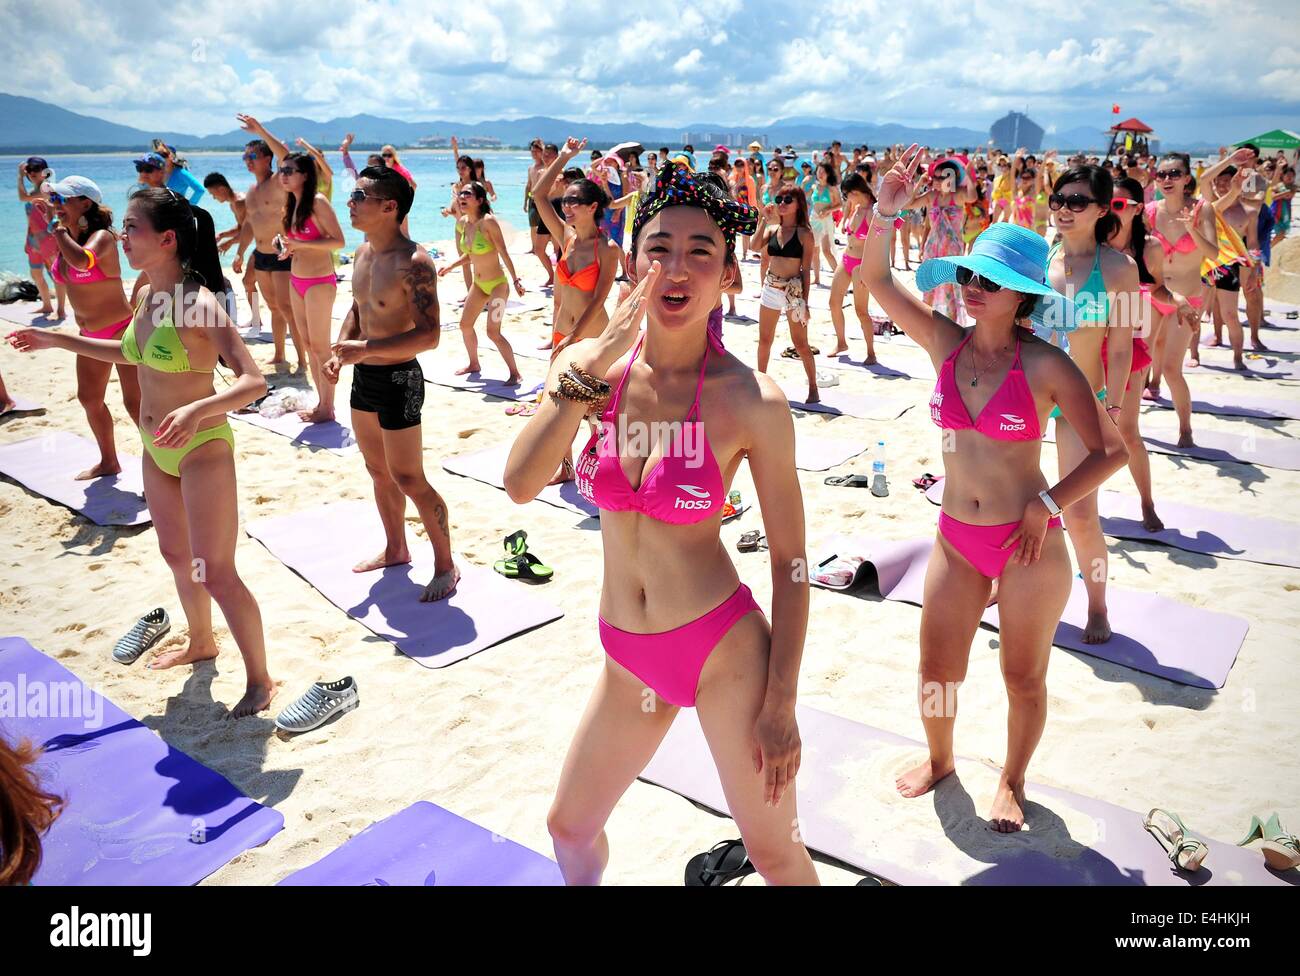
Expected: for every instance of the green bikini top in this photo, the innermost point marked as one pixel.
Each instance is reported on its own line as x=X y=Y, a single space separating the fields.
x=164 y=351
x=1091 y=301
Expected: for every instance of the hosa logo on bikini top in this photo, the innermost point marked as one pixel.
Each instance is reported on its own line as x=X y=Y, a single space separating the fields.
x=1011 y=422
x=700 y=502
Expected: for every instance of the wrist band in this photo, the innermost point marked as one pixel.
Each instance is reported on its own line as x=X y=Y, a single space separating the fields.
x=1053 y=509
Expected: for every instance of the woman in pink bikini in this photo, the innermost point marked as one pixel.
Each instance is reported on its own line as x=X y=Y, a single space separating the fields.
x=1000 y=520
x=859 y=201
x=1187 y=237
x=678 y=627
x=311 y=235
x=88 y=266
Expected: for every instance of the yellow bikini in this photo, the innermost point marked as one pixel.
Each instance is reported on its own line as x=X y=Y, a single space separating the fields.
x=482 y=245
x=166 y=353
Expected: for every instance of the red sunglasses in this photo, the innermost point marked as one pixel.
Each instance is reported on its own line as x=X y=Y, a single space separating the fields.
x=1120 y=204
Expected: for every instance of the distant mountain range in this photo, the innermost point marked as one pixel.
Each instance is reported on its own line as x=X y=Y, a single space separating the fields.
x=29 y=125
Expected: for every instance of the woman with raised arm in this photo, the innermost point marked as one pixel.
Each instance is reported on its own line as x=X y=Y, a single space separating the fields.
x=786 y=239
x=1187 y=237
x=178 y=332
x=39 y=243
x=679 y=628
x=1108 y=306
x=1000 y=520
x=484 y=251
x=860 y=201
x=88 y=267
x=311 y=236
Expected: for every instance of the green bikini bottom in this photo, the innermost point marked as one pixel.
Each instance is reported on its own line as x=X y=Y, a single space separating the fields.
x=169 y=459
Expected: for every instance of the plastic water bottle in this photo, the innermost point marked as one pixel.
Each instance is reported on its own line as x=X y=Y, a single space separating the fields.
x=879 y=484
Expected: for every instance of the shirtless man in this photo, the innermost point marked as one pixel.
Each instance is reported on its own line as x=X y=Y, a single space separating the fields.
x=221 y=191
x=263 y=221
x=394 y=316
x=540 y=233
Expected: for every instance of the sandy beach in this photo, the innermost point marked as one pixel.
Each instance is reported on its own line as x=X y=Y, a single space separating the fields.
x=486 y=737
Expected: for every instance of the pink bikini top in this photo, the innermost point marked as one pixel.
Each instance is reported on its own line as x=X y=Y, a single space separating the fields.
x=1010 y=415
x=1185 y=243
x=673 y=490
x=65 y=274
x=863 y=224
x=309 y=232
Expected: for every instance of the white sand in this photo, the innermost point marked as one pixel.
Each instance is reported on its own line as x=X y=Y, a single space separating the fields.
x=486 y=737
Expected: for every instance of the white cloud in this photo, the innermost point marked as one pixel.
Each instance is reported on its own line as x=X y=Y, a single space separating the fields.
x=689 y=61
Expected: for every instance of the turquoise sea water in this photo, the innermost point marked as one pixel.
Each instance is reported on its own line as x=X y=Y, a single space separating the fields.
x=434 y=173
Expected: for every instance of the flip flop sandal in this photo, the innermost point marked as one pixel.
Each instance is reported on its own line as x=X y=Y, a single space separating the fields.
x=1185 y=853
x=516 y=408
x=147 y=631
x=848 y=481
x=790 y=353
x=870 y=882
x=751 y=541
x=524 y=566
x=714 y=868
x=516 y=543
x=925 y=481
x=1293 y=315
x=528 y=410
x=735 y=515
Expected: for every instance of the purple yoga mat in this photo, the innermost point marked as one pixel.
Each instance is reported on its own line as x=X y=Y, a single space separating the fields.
x=335 y=436
x=823 y=453
x=426 y=845
x=852 y=364
x=1250 y=446
x=323 y=544
x=1207 y=531
x=1152 y=633
x=848 y=809
x=48 y=465
x=28 y=314
x=837 y=400
x=489 y=465
x=441 y=373
x=139 y=812
x=1237 y=404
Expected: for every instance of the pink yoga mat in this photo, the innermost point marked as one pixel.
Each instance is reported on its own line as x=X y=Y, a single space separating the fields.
x=1152 y=633
x=848 y=809
x=49 y=464
x=323 y=544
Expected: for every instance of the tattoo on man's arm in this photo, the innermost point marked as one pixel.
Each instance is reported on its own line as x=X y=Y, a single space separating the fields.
x=424 y=293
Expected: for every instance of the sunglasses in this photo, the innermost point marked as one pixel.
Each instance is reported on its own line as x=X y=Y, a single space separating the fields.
x=146 y=168
x=251 y=156
x=465 y=193
x=387 y=155
x=1170 y=174
x=965 y=276
x=784 y=198
x=572 y=201
x=1121 y=204
x=58 y=199
x=1075 y=202
x=288 y=171
x=360 y=196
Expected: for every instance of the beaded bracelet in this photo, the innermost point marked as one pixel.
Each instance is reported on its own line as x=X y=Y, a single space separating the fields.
x=881 y=229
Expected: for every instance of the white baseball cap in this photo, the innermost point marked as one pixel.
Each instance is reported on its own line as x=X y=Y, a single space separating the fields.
x=77 y=186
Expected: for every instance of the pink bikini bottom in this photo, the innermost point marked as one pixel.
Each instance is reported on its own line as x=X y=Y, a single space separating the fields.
x=301 y=285
x=670 y=662
x=982 y=544
x=113 y=331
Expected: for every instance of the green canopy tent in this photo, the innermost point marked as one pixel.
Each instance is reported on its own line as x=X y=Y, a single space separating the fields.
x=1283 y=139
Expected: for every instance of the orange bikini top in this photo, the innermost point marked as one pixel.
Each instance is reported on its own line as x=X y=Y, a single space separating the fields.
x=587 y=278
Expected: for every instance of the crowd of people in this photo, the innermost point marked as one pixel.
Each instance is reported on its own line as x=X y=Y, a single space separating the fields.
x=1019 y=330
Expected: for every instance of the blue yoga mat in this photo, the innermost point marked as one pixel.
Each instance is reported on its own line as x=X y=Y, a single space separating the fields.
x=426 y=845
x=138 y=812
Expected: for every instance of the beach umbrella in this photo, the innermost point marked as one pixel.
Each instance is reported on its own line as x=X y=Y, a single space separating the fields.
x=1277 y=139
x=627 y=149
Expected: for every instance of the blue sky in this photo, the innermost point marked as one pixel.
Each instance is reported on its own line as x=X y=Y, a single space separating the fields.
x=1194 y=70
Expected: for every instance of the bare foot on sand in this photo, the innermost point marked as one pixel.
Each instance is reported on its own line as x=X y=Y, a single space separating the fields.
x=316 y=416
x=441 y=586
x=191 y=654
x=385 y=558
x=1150 y=520
x=471 y=368
x=102 y=469
x=921 y=779
x=837 y=351
x=1008 y=813
x=1097 y=630
x=256 y=699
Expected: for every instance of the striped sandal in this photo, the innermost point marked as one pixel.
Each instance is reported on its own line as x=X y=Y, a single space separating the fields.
x=146 y=632
x=320 y=703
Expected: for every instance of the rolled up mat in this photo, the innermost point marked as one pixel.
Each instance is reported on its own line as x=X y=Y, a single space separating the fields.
x=49 y=464
x=138 y=811
x=334 y=436
x=323 y=544
x=441 y=373
x=1207 y=531
x=426 y=845
x=1251 y=446
x=836 y=400
x=489 y=465
x=1151 y=633
x=850 y=810
x=1236 y=404
x=823 y=453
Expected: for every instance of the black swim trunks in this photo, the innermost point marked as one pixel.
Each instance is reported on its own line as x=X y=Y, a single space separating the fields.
x=395 y=392
x=535 y=220
x=270 y=262
x=1229 y=280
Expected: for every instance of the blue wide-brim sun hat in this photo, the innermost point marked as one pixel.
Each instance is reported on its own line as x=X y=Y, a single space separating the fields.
x=1016 y=258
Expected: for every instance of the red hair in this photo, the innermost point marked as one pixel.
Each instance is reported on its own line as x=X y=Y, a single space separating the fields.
x=26 y=812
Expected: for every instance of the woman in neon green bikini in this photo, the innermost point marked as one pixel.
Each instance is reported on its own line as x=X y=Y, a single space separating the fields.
x=491 y=287
x=189 y=467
